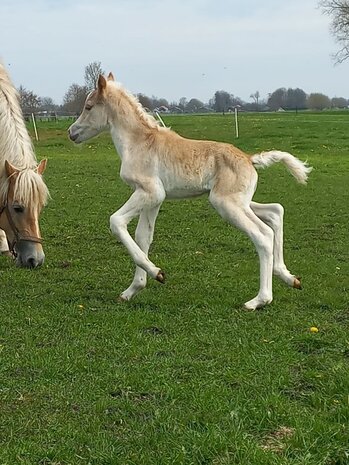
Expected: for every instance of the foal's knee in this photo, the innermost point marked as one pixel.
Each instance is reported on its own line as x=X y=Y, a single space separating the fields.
x=279 y=209
x=275 y=216
x=278 y=212
x=265 y=239
x=117 y=224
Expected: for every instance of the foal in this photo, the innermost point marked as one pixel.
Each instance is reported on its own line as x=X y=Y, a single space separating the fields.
x=158 y=163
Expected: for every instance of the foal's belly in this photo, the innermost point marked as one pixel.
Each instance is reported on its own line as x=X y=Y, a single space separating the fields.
x=184 y=188
x=185 y=185
x=184 y=194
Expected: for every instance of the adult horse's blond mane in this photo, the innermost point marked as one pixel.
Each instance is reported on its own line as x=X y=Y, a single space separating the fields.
x=17 y=148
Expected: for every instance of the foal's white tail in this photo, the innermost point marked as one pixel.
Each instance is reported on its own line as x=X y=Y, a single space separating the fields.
x=297 y=168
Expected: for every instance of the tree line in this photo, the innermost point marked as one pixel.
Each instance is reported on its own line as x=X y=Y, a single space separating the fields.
x=73 y=100
x=222 y=101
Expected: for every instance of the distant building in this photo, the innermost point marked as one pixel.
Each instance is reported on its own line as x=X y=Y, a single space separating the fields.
x=162 y=109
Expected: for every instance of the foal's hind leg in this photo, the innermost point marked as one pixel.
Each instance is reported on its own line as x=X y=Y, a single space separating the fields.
x=144 y=237
x=272 y=214
x=233 y=210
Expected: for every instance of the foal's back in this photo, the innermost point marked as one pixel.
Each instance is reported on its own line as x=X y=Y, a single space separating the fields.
x=189 y=167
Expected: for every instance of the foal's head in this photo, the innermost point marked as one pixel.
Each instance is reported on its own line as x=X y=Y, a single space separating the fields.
x=94 y=118
x=22 y=197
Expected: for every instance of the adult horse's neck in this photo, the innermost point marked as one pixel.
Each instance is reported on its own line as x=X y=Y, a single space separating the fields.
x=15 y=142
x=129 y=124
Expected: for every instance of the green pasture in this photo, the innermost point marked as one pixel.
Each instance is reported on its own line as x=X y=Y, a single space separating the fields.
x=182 y=374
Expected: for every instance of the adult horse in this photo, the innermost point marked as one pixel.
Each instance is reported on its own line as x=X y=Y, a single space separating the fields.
x=23 y=192
x=158 y=163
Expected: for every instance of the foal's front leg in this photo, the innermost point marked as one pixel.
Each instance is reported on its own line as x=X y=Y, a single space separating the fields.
x=139 y=201
x=144 y=237
x=4 y=250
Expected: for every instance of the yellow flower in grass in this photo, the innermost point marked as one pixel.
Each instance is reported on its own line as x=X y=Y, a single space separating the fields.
x=314 y=329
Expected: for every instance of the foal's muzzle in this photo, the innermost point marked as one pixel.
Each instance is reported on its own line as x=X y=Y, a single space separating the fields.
x=72 y=136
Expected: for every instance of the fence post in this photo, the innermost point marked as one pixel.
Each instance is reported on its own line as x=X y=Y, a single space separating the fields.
x=35 y=130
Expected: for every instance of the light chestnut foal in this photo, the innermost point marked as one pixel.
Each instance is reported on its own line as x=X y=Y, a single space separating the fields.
x=158 y=163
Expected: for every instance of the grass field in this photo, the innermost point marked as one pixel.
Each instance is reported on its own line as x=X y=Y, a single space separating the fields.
x=182 y=374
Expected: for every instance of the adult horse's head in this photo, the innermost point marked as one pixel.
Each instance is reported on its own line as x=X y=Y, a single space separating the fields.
x=94 y=117
x=22 y=197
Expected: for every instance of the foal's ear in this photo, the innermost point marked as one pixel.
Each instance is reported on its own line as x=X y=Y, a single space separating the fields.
x=10 y=169
x=102 y=83
x=41 y=166
x=110 y=77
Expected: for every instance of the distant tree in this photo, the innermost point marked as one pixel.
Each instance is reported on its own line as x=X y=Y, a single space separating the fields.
x=296 y=99
x=92 y=72
x=237 y=102
x=74 y=98
x=152 y=102
x=339 y=11
x=160 y=102
x=193 y=105
x=251 y=106
x=317 y=101
x=183 y=103
x=278 y=99
x=255 y=98
x=30 y=102
x=222 y=101
x=339 y=102
x=47 y=104
x=146 y=101
x=290 y=99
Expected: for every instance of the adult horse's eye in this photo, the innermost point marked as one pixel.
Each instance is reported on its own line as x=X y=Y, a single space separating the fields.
x=88 y=107
x=18 y=208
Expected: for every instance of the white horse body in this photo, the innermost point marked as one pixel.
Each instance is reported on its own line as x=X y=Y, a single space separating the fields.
x=177 y=180
x=158 y=163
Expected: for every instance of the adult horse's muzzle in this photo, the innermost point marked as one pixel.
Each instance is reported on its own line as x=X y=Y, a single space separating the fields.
x=28 y=254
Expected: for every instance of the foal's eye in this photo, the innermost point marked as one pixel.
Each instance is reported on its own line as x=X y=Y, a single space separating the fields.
x=18 y=208
x=88 y=107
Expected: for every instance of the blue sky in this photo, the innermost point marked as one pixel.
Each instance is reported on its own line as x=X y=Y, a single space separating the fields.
x=172 y=48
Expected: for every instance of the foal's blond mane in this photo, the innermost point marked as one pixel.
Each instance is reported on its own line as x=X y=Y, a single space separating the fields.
x=129 y=106
x=17 y=148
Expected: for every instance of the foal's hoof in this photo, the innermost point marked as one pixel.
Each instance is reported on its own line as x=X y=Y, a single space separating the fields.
x=297 y=283
x=121 y=299
x=161 y=277
x=256 y=304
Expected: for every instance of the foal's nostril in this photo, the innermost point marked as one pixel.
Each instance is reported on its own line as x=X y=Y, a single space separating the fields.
x=73 y=137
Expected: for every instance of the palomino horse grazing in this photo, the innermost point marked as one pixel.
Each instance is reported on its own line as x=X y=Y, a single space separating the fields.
x=157 y=163
x=23 y=192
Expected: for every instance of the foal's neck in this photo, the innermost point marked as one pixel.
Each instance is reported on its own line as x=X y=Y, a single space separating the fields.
x=129 y=123
x=120 y=139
